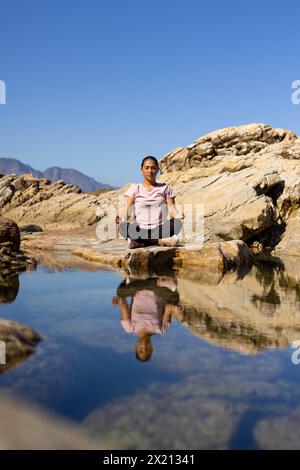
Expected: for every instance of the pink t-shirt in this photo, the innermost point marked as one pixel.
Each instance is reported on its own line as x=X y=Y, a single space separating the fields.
x=150 y=204
x=146 y=314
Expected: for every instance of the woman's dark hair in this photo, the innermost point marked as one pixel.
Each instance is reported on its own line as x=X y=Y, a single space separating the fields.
x=149 y=157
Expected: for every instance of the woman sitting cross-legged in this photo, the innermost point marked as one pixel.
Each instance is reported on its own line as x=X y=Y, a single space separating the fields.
x=151 y=216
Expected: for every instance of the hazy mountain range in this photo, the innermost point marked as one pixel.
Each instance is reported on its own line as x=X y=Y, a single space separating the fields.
x=69 y=175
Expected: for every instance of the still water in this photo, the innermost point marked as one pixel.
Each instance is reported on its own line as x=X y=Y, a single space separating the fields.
x=216 y=369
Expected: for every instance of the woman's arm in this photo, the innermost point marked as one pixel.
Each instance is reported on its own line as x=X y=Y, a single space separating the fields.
x=171 y=310
x=128 y=212
x=125 y=308
x=129 y=208
x=125 y=311
x=173 y=212
x=167 y=316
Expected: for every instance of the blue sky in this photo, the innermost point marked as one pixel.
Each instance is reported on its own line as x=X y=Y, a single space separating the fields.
x=96 y=85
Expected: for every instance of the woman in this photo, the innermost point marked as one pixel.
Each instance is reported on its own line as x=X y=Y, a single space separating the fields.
x=156 y=220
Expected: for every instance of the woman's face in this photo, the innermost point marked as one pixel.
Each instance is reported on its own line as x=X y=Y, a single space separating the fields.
x=149 y=170
x=144 y=349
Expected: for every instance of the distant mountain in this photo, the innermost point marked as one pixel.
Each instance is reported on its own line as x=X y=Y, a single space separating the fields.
x=11 y=165
x=86 y=183
x=69 y=175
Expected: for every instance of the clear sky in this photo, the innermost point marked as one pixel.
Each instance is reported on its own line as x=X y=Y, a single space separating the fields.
x=96 y=85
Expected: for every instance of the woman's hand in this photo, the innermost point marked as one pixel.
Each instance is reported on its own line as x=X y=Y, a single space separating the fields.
x=118 y=301
x=173 y=212
x=180 y=214
x=165 y=281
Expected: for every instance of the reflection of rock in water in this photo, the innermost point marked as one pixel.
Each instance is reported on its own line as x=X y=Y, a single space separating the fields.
x=248 y=314
x=227 y=333
x=17 y=343
x=160 y=418
x=286 y=436
x=64 y=260
x=9 y=289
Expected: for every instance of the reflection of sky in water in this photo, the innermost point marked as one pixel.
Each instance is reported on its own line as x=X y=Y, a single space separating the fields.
x=191 y=394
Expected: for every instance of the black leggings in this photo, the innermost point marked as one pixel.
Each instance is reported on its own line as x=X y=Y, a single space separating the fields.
x=150 y=236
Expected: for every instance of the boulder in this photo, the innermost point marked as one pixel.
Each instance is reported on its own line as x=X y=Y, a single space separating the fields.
x=9 y=232
x=31 y=228
x=12 y=259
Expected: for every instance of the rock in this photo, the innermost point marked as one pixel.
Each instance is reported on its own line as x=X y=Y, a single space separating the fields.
x=31 y=228
x=149 y=259
x=9 y=232
x=33 y=201
x=232 y=141
x=209 y=255
x=220 y=256
x=19 y=340
x=245 y=185
x=12 y=260
x=247 y=221
x=290 y=242
x=236 y=252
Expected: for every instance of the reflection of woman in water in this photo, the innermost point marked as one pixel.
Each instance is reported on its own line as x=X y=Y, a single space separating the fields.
x=149 y=311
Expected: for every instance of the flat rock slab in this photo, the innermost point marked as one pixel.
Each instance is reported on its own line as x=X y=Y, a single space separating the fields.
x=218 y=256
x=115 y=253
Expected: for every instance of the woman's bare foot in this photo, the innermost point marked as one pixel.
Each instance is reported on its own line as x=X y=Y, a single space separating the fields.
x=170 y=242
x=134 y=244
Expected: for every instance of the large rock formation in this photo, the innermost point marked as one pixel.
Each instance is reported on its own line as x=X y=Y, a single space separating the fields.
x=246 y=178
x=29 y=200
x=231 y=142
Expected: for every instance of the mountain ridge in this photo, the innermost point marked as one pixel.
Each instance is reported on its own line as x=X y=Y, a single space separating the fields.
x=55 y=173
